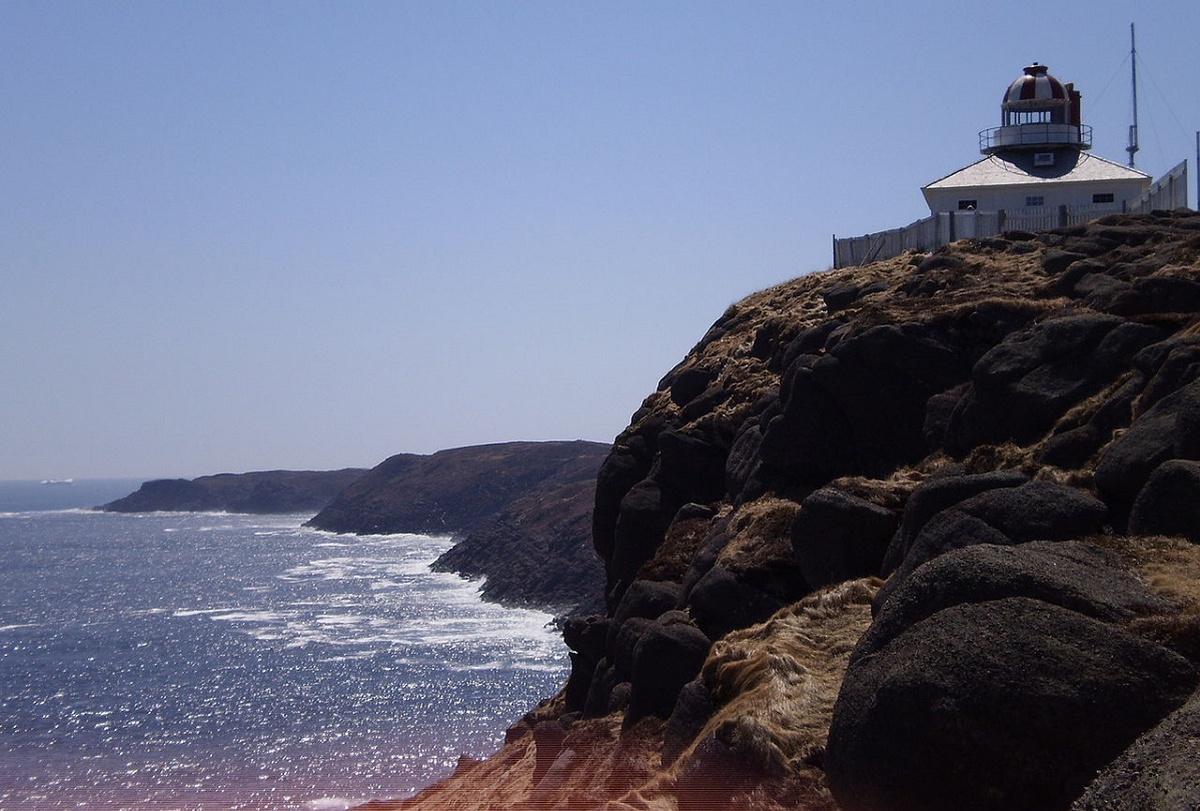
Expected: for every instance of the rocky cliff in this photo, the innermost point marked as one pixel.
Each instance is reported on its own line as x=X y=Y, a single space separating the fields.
x=521 y=512
x=260 y=492
x=920 y=534
x=453 y=490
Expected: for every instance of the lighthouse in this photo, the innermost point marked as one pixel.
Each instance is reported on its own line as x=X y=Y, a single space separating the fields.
x=1038 y=159
x=1037 y=172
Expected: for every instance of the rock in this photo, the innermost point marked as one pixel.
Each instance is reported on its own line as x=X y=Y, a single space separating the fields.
x=600 y=691
x=1169 y=504
x=1055 y=261
x=667 y=657
x=1070 y=574
x=1007 y=705
x=643 y=520
x=840 y=296
x=1157 y=294
x=1025 y=384
x=626 y=465
x=646 y=598
x=690 y=383
x=861 y=407
x=721 y=602
x=837 y=536
x=939 y=493
x=624 y=642
x=1159 y=772
x=1161 y=433
x=1037 y=510
x=586 y=636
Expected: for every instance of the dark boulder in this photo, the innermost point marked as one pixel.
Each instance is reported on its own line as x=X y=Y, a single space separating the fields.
x=601 y=689
x=837 y=536
x=1025 y=384
x=1037 y=510
x=646 y=598
x=939 y=493
x=623 y=643
x=1166 y=431
x=1008 y=705
x=1169 y=504
x=1157 y=294
x=668 y=656
x=643 y=520
x=690 y=383
x=1159 y=772
x=1071 y=574
x=722 y=602
x=586 y=636
x=860 y=408
x=626 y=465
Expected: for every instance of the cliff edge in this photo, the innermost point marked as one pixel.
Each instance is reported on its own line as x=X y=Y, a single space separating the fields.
x=920 y=534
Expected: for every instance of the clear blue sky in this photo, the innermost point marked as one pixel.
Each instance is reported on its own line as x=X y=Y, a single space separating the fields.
x=248 y=235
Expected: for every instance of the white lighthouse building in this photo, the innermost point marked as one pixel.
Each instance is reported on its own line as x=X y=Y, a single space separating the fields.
x=1037 y=158
x=1037 y=173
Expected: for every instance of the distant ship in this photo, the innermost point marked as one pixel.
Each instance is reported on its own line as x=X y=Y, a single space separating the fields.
x=58 y=481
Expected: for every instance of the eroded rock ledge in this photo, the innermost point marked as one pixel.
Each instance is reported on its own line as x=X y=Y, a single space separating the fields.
x=913 y=535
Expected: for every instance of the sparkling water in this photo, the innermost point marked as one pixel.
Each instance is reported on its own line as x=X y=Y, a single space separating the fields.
x=213 y=661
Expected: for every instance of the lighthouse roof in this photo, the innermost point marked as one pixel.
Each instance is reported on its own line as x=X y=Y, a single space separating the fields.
x=1020 y=170
x=1035 y=89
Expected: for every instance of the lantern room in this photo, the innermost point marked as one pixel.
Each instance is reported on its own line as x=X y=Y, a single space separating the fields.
x=1037 y=112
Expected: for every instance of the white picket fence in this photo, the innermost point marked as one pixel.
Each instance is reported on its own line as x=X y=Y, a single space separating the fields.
x=1168 y=192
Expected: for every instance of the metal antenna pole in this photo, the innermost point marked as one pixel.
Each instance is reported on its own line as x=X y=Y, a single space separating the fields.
x=1133 y=128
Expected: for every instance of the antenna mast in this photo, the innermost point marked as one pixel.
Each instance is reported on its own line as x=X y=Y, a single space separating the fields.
x=1133 y=128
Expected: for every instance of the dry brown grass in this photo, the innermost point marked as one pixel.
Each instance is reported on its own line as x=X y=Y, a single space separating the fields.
x=778 y=680
x=1170 y=567
x=761 y=532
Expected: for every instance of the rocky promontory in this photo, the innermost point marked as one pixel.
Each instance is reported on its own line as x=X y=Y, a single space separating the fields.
x=519 y=511
x=916 y=535
x=454 y=490
x=260 y=492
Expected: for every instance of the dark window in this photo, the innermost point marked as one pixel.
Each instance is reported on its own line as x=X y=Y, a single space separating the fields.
x=1035 y=200
x=1043 y=158
x=1103 y=198
x=966 y=205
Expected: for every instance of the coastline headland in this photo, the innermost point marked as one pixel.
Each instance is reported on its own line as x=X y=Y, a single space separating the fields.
x=916 y=534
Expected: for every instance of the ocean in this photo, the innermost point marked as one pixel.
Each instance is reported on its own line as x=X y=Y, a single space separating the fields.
x=214 y=662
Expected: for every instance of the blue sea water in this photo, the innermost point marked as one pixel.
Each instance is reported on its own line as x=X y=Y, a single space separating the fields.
x=214 y=661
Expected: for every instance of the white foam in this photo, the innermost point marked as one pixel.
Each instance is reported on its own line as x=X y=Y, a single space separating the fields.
x=330 y=804
x=261 y=615
x=199 y=612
